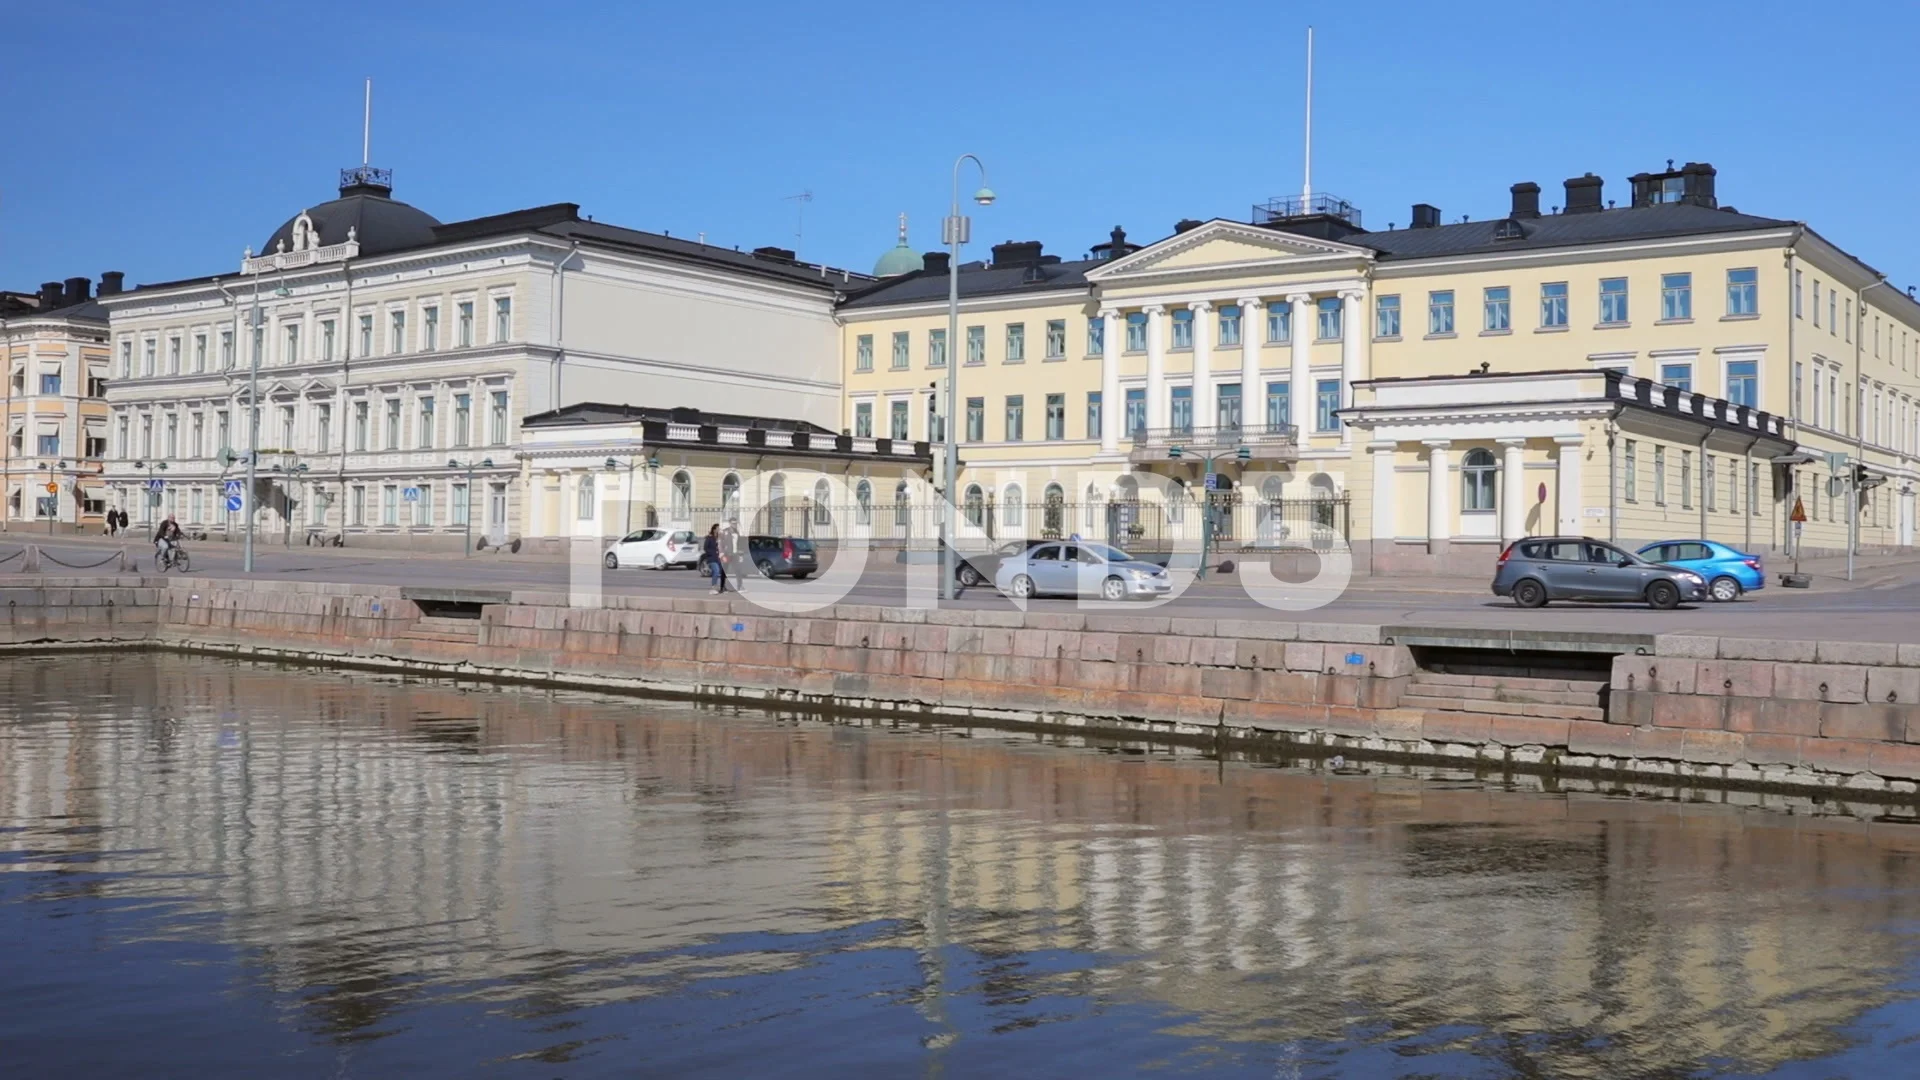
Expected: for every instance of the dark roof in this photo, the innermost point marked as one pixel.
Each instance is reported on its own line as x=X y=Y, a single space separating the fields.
x=1559 y=230
x=599 y=413
x=26 y=306
x=379 y=223
x=976 y=279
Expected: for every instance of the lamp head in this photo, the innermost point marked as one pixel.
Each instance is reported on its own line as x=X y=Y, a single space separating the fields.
x=452 y=464
x=612 y=465
x=486 y=463
x=984 y=196
x=283 y=292
x=654 y=462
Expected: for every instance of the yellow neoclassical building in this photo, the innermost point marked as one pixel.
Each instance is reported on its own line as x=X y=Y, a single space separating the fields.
x=1669 y=367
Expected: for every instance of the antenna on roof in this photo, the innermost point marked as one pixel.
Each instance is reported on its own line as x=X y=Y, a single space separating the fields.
x=799 y=202
x=366 y=129
x=1306 y=182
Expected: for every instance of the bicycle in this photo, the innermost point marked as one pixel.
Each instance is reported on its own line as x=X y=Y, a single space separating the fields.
x=175 y=558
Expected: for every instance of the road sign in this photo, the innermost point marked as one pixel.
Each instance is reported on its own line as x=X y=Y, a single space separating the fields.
x=1543 y=493
x=1837 y=462
x=235 y=488
x=156 y=485
x=234 y=504
x=1799 y=515
x=53 y=489
x=411 y=494
x=1213 y=481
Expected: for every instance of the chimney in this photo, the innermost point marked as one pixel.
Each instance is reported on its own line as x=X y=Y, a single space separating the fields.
x=77 y=291
x=774 y=254
x=1697 y=177
x=1583 y=194
x=1526 y=200
x=1425 y=216
x=935 y=262
x=1186 y=225
x=1116 y=246
x=110 y=282
x=1021 y=253
x=50 y=295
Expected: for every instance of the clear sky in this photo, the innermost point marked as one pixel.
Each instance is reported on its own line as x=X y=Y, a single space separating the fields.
x=162 y=138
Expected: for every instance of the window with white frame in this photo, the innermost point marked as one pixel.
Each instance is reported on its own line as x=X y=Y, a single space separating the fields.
x=976 y=344
x=1676 y=296
x=1498 y=305
x=1743 y=383
x=583 y=497
x=396 y=333
x=423 y=423
x=937 y=348
x=430 y=328
x=1386 y=317
x=1279 y=323
x=902 y=341
x=863 y=353
x=502 y=319
x=392 y=424
x=390 y=505
x=366 y=335
x=1016 y=342
x=1478 y=474
x=1440 y=311
x=682 y=496
x=1056 y=339
x=1183 y=329
x=1229 y=330
x=1743 y=291
x=1328 y=324
x=1136 y=331
x=499 y=431
x=464 y=312
x=1630 y=472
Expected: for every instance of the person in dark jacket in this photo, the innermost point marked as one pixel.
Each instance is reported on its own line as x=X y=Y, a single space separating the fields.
x=716 y=569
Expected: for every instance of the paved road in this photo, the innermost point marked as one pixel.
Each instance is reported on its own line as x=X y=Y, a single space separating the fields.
x=1887 y=609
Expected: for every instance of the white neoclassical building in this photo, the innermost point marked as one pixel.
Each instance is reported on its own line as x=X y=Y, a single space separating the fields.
x=396 y=357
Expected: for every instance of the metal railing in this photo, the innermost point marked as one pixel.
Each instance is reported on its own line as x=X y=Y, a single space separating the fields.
x=1201 y=440
x=1293 y=206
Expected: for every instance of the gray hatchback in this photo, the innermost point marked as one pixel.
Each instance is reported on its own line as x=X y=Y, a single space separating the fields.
x=1538 y=569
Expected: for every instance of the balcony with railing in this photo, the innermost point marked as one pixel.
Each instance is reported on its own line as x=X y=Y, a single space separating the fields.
x=1244 y=442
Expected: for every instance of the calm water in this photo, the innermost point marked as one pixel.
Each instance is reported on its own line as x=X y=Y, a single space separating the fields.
x=219 y=870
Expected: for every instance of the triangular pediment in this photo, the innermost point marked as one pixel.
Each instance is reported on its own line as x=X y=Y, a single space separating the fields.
x=1224 y=246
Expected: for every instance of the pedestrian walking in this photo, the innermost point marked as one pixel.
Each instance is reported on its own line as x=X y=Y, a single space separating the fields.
x=716 y=569
x=113 y=521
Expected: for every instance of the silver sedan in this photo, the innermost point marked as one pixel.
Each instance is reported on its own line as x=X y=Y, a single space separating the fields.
x=1081 y=568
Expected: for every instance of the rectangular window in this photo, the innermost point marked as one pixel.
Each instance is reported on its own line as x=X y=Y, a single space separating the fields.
x=1833 y=311
x=1629 y=487
x=1440 y=312
x=1229 y=325
x=366 y=335
x=1136 y=418
x=1753 y=487
x=1056 y=339
x=457 y=504
x=502 y=319
x=1613 y=301
x=1096 y=336
x=322 y=427
x=1180 y=412
x=1328 y=323
x=286 y=427
x=148 y=361
x=464 y=313
x=293 y=344
x=1056 y=417
x=583 y=496
x=173 y=437
x=499 y=432
x=902 y=342
x=50 y=444
x=389 y=505
x=1279 y=323
x=1743 y=381
x=357 y=506
x=1799 y=389
x=326 y=339
x=1553 y=304
x=430 y=329
x=393 y=424
x=221 y=427
x=126 y=359
x=424 y=423
x=1136 y=336
x=397 y=333
x=199 y=447
x=462 y=418
x=1386 y=317
x=423 y=508
x=50 y=383
x=1279 y=407
x=937 y=348
x=863 y=420
x=863 y=353
x=1016 y=342
x=1708 y=491
x=173 y=356
x=1326 y=405
x=976 y=344
x=1847 y=328
x=1498 y=305
x=976 y=419
x=1226 y=407
x=898 y=420
x=1743 y=291
x=1676 y=296
x=199 y=354
x=1680 y=375
x=1659 y=476
x=1686 y=479
x=1797 y=312
x=1093 y=414
x=1016 y=417
x=1183 y=329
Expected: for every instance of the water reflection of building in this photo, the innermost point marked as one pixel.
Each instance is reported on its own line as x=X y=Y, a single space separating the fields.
x=382 y=839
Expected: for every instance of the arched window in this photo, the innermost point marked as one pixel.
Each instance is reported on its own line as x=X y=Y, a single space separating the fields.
x=822 y=503
x=976 y=502
x=584 y=509
x=1321 y=486
x=863 y=503
x=730 y=497
x=777 y=504
x=1476 y=477
x=1093 y=508
x=682 y=497
x=1053 y=515
x=1012 y=511
x=902 y=510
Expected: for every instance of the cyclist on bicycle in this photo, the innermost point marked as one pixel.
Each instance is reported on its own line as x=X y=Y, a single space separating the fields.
x=165 y=539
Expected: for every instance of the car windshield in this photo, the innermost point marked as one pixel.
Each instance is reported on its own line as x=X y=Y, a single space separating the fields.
x=643 y=535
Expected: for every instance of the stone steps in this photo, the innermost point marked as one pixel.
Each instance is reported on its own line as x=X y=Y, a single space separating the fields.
x=1506 y=695
x=437 y=628
x=1557 y=711
x=1470 y=694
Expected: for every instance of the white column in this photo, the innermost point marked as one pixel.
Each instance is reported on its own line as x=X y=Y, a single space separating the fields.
x=1156 y=367
x=1300 y=389
x=1203 y=410
x=1113 y=409
x=1439 y=507
x=1513 y=489
x=1569 y=484
x=1385 y=496
x=1253 y=396
x=1354 y=337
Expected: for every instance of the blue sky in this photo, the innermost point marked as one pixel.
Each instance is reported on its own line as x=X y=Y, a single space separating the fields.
x=163 y=138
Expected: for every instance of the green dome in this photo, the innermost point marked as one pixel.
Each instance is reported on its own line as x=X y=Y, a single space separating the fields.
x=901 y=260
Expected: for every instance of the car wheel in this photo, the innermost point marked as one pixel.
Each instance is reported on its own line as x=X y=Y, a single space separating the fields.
x=1663 y=595
x=1022 y=587
x=969 y=577
x=1529 y=593
x=659 y=562
x=1113 y=589
x=765 y=568
x=1724 y=589
x=613 y=561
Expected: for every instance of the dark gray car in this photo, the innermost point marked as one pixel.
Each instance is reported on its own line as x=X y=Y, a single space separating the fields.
x=1538 y=569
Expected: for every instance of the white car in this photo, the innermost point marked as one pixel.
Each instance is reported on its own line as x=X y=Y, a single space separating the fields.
x=658 y=548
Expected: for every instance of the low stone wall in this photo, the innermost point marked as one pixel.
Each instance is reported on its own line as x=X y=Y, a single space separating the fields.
x=1702 y=710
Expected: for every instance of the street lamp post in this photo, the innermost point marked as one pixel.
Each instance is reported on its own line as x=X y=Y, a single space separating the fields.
x=454 y=463
x=54 y=473
x=292 y=471
x=633 y=462
x=1243 y=455
x=152 y=496
x=956 y=230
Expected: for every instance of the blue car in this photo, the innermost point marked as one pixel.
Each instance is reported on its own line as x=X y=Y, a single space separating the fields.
x=1728 y=572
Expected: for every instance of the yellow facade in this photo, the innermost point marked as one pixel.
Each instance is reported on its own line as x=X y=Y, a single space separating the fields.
x=56 y=415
